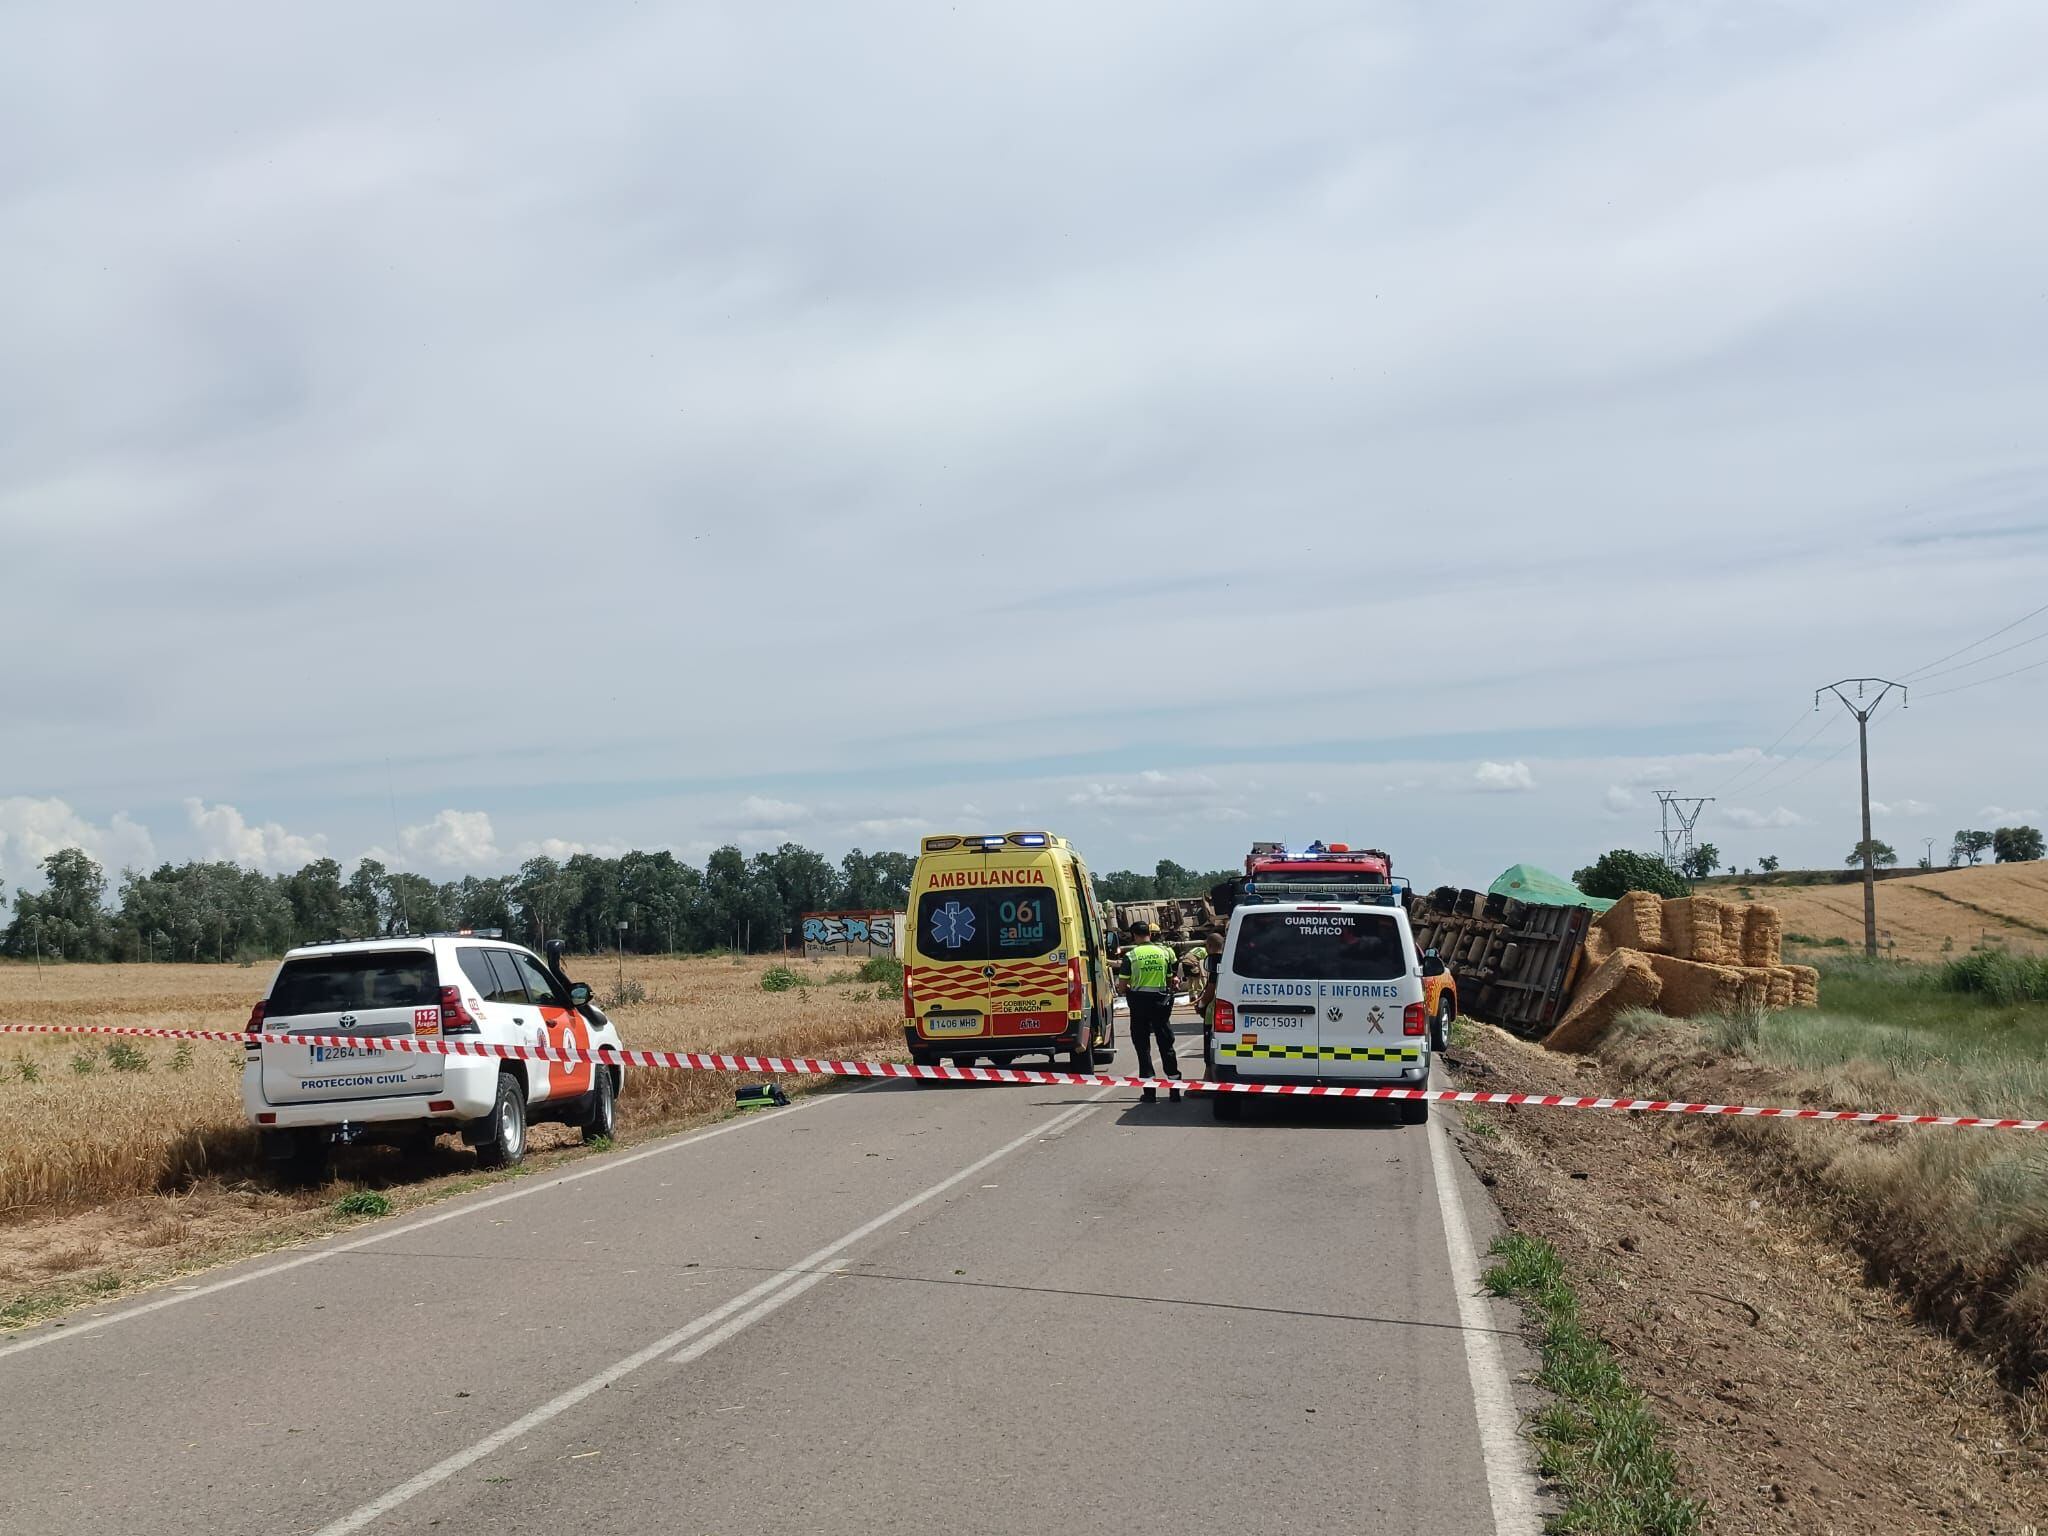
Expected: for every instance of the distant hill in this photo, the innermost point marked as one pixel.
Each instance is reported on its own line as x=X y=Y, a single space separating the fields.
x=1916 y=911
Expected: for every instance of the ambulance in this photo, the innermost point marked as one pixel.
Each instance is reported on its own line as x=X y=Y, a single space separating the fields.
x=1320 y=982
x=1007 y=954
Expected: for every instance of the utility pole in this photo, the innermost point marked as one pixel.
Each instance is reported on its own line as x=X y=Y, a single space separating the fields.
x=1929 y=864
x=1863 y=712
x=1678 y=840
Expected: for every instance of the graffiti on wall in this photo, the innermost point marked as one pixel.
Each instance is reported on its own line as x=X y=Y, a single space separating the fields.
x=828 y=934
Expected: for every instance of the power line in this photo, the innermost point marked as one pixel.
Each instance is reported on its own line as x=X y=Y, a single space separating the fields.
x=1792 y=756
x=2002 y=650
x=1762 y=757
x=1980 y=682
x=1951 y=656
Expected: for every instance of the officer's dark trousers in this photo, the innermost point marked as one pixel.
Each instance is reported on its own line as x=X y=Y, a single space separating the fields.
x=1151 y=1019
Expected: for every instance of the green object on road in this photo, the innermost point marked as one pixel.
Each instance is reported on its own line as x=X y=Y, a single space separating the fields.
x=1526 y=882
x=764 y=1096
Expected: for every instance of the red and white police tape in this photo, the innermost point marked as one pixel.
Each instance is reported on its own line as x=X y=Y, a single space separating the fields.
x=705 y=1061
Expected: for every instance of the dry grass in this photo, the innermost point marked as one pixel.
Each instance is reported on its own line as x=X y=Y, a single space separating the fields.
x=105 y=1168
x=1957 y=1221
x=1924 y=917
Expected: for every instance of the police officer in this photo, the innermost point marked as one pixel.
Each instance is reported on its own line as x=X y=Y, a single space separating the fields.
x=1147 y=971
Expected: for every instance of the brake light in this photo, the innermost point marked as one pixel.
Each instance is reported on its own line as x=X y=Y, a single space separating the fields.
x=440 y=1106
x=1415 y=1020
x=1225 y=1022
x=1074 y=985
x=455 y=1019
x=255 y=1024
x=909 y=1004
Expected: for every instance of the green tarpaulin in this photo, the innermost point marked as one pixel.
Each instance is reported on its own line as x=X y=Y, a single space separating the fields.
x=1525 y=882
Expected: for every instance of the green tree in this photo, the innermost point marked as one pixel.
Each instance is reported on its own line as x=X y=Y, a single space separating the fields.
x=65 y=918
x=1768 y=863
x=1969 y=847
x=875 y=882
x=2016 y=845
x=1622 y=870
x=1882 y=854
x=1701 y=862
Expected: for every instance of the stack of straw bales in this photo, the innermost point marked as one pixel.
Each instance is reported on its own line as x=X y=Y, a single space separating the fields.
x=1684 y=957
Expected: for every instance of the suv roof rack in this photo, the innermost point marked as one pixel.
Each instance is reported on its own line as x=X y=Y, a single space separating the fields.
x=385 y=938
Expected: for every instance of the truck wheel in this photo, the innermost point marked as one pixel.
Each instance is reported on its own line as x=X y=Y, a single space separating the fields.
x=501 y=1141
x=1415 y=1111
x=1441 y=1040
x=602 y=1122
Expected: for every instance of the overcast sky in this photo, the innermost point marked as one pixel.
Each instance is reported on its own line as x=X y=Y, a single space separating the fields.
x=466 y=429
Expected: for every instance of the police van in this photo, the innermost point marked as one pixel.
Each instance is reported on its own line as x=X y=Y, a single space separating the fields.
x=1007 y=955
x=1320 y=983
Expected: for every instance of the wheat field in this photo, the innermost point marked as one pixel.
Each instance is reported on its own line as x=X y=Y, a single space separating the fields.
x=113 y=1150
x=1919 y=917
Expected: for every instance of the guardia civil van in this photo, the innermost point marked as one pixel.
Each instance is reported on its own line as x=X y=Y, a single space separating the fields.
x=1320 y=982
x=1007 y=954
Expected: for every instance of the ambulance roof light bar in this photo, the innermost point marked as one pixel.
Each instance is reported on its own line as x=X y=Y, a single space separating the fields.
x=988 y=842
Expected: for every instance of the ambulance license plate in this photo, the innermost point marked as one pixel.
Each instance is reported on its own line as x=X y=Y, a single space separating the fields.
x=951 y=1023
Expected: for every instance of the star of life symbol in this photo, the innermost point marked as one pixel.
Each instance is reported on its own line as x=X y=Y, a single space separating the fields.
x=952 y=925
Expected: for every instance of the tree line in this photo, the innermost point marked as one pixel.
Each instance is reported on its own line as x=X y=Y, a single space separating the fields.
x=649 y=903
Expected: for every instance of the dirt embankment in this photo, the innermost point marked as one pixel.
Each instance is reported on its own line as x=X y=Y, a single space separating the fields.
x=1799 y=1397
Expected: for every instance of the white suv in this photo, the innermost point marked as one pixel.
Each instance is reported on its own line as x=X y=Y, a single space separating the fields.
x=474 y=987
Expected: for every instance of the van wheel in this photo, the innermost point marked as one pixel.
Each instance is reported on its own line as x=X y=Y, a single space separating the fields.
x=1415 y=1111
x=602 y=1122
x=1082 y=1060
x=1226 y=1106
x=502 y=1139
x=1442 y=1033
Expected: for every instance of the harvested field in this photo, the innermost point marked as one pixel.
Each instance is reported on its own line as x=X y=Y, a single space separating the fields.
x=1919 y=917
x=118 y=1152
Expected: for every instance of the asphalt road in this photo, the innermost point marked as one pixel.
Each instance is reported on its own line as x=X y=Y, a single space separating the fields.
x=957 y=1309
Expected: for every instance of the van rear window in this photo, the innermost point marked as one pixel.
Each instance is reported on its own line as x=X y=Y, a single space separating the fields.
x=1010 y=923
x=1319 y=946
x=406 y=978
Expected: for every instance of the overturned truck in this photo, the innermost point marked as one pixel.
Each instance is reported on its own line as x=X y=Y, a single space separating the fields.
x=1515 y=961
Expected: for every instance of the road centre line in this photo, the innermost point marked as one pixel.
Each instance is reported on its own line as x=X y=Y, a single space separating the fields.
x=707 y=1332
x=73 y=1330
x=1510 y=1487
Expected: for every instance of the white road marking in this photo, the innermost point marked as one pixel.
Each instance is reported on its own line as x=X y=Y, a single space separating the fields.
x=80 y=1328
x=1510 y=1482
x=707 y=1332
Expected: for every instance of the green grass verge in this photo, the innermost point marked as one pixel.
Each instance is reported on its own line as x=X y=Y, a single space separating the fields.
x=1598 y=1442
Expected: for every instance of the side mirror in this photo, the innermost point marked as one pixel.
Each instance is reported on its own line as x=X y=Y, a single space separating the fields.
x=579 y=995
x=1433 y=964
x=1112 y=946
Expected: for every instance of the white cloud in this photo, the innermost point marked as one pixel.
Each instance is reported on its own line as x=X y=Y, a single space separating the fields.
x=452 y=840
x=31 y=830
x=1316 y=797
x=224 y=833
x=1755 y=820
x=1619 y=801
x=1998 y=815
x=1900 y=808
x=886 y=826
x=761 y=810
x=1503 y=778
x=1147 y=791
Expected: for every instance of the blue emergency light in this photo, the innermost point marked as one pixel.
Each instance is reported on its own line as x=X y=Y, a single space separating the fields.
x=1029 y=839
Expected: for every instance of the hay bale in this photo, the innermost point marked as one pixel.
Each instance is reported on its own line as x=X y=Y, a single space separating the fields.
x=1595 y=950
x=1783 y=987
x=1623 y=981
x=1734 y=930
x=1634 y=922
x=1763 y=936
x=1805 y=986
x=1691 y=988
x=1695 y=928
